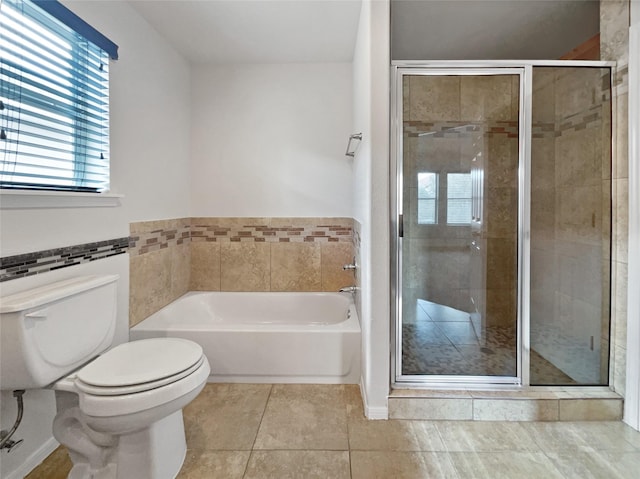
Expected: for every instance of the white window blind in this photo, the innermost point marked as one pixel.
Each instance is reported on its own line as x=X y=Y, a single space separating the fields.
x=54 y=101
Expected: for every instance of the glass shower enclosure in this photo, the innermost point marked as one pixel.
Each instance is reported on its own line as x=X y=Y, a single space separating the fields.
x=502 y=222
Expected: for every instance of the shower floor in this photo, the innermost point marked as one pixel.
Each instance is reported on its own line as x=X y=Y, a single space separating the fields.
x=442 y=341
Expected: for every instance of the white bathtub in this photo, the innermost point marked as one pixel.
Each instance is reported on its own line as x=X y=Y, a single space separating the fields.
x=266 y=337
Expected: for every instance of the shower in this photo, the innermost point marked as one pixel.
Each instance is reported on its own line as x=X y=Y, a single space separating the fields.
x=502 y=222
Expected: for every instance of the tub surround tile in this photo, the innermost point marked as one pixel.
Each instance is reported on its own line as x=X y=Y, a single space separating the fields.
x=150 y=284
x=245 y=267
x=296 y=267
x=333 y=256
x=205 y=266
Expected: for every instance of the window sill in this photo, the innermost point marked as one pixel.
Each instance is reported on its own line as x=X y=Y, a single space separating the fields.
x=23 y=199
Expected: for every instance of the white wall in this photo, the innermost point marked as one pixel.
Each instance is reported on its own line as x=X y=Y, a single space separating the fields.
x=149 y=155
x=269 y=140
x=371 y=199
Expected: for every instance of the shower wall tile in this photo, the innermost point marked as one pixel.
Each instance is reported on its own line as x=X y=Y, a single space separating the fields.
x=486 y=98
x=244 y=266
x=296 y=267
x=433 y=98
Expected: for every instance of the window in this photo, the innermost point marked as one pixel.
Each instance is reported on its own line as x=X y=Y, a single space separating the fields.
x=427 y=198
x=54 y=99
x=458 y=198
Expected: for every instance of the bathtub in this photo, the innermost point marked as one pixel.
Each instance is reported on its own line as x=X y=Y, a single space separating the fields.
x=266 y=337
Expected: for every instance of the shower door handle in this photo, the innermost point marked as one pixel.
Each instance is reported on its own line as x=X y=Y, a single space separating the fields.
x=400 y=226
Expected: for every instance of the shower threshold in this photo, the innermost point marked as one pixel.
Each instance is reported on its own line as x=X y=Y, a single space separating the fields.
x=536 y=403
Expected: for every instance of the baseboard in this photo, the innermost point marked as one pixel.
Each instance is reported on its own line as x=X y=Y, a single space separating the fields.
x=372 y=412
x=34 y=459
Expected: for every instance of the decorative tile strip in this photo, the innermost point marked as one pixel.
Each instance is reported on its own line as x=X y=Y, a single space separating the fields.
x=19 y=266
x=146 y=242
x=234 y=230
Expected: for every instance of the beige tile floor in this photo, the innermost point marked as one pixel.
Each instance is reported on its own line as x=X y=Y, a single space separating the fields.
x=317 y=431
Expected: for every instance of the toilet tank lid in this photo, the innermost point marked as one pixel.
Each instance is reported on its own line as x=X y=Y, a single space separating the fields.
x=32 y=298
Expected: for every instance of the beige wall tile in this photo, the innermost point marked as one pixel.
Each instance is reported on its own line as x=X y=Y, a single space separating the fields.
x=486 y=98
x=515 y=410
x=590 y=410
x=149 y=284
x=180 y=270
x=296 y=267
x=244 y=266
x=205 y=266
x=434 y=98
x=333 y=257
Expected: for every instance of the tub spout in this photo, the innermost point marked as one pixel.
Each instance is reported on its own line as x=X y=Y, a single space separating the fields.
x=348 y=289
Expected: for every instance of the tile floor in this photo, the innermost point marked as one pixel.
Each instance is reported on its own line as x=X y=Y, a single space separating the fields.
x=439 y=340
x=319 y=431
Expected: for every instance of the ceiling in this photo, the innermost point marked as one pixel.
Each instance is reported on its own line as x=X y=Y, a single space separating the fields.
x=256 y=31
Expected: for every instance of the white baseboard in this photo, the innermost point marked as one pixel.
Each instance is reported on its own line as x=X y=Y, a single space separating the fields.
x=372 y=412
x=34 y=460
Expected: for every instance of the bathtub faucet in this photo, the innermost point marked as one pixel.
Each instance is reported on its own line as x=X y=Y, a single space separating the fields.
x=348 y=289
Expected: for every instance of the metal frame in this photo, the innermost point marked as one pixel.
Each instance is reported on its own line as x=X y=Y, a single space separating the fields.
x=455 y=67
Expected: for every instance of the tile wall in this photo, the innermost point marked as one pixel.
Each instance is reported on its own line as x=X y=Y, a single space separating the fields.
x=571 y=220
x=614 y=45
x=172 y=257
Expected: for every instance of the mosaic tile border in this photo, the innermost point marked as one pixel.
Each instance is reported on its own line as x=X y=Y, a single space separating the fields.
x=272 y=234
x=236 y=229
x=29 y=264
x=157 y=239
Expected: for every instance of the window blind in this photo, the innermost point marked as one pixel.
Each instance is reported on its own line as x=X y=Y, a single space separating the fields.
x=54 y=103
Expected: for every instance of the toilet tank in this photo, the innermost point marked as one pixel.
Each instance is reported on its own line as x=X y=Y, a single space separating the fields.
x=48 y=331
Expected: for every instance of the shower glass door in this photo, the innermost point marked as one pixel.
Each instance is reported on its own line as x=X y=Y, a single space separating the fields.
x=458 y=183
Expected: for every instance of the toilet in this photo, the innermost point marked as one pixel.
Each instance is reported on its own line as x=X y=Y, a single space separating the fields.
x=119 y=412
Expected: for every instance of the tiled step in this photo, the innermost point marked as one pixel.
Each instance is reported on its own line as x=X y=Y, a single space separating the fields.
x=534 y=404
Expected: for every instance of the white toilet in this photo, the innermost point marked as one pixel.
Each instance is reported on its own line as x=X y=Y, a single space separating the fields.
x=119 y=413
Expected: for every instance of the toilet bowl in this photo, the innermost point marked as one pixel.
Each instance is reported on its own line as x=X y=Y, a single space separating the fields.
x=127 y=402
x=119 y=412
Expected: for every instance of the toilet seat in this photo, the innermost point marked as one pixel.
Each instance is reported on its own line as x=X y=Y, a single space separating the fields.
x=138 y=365
x=135 y=388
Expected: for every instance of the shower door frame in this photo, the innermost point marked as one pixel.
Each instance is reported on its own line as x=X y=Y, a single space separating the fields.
x=458 y=68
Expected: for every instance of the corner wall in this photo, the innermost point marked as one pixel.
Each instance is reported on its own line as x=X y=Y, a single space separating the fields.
x=371 y=199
